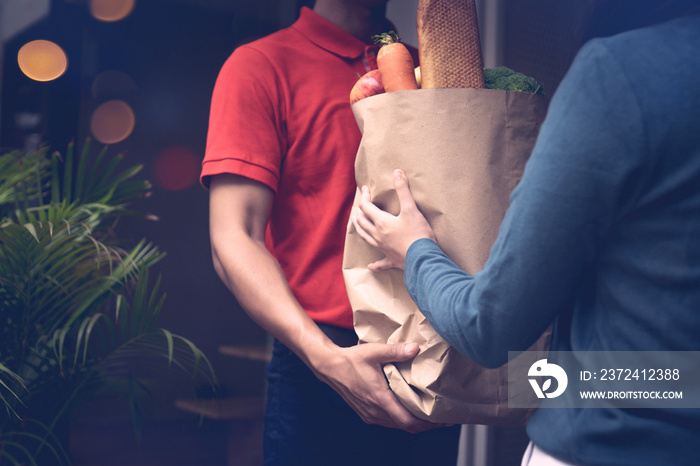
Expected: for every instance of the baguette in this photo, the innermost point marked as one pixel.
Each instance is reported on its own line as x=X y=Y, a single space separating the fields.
x=449 y=47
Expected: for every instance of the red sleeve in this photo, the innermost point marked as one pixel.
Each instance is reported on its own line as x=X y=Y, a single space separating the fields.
x=246 y=131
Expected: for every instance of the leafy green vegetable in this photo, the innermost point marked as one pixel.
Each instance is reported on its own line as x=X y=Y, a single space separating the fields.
x=508 y=80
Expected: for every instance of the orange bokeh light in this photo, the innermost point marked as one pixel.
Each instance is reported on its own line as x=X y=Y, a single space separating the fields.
x=176 y=167
x=42 y=60
x=111 y=10
x=112 y=122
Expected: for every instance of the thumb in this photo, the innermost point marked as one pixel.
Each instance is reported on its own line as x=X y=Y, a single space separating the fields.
x=403 y=191
x=397 y=352
x=382 y=264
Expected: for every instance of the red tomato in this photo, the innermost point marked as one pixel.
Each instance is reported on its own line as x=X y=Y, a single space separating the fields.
x=369 y=84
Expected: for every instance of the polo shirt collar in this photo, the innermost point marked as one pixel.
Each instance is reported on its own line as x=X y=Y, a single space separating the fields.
x=328 y=36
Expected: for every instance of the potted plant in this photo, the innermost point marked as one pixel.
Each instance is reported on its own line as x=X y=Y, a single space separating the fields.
x=77 y=304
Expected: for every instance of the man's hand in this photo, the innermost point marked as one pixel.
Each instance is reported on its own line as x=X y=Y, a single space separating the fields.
x=356 y=374
x=391 y=234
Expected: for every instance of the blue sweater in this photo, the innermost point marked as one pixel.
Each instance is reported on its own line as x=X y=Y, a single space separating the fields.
x=605 y=221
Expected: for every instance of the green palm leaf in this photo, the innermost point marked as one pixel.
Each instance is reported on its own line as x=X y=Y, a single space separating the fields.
x=77 y=305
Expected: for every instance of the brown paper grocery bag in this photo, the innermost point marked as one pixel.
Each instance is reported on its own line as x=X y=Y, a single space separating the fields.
x=463 y=151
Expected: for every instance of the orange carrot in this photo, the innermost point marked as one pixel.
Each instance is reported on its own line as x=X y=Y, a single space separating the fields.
x=395 y=63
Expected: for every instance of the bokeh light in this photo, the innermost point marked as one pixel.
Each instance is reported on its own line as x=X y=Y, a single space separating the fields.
x=42 y=60
x=176 y=168
x=111 y=10
x=112 y=122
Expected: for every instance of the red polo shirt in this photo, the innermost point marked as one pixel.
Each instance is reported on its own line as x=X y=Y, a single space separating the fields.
x=280 y=115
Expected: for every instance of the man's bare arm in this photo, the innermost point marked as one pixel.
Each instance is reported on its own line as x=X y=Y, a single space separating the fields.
x=239 y=212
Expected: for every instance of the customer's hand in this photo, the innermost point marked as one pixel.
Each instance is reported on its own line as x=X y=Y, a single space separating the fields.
x=356 y=374
x=391 y=234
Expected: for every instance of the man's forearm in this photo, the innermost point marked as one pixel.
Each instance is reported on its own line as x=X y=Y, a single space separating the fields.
x=255 y=278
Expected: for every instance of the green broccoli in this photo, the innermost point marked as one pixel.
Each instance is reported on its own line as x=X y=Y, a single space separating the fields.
x=508 y=80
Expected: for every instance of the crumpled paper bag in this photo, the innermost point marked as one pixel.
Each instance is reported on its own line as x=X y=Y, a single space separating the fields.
x=463 y=151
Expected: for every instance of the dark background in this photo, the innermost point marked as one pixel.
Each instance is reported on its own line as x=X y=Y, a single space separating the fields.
x=172 y=50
